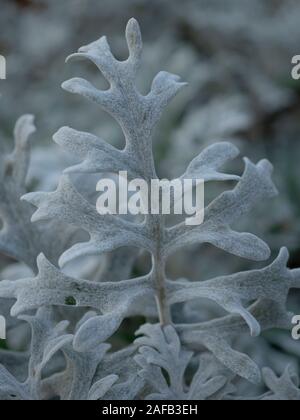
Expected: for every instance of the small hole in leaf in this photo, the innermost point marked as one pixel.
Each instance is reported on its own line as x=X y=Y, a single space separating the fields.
x=70 y=301
x=9 y=169
x=126 y=333
x=166 y=376
x=3 y=345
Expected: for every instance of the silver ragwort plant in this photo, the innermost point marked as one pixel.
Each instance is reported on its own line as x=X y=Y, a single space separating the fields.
x=72 y=319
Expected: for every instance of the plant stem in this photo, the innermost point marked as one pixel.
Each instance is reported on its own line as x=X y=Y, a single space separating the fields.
x=159 y=273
